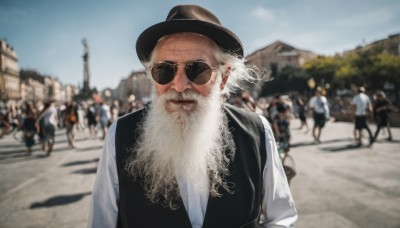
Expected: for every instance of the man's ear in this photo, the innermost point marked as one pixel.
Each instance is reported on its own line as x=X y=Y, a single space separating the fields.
x=225 y=77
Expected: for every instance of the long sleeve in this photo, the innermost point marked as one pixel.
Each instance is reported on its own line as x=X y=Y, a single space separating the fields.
x=103 y=208
x=278 y=209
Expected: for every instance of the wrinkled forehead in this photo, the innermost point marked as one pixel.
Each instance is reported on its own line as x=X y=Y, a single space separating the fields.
x=184 y=45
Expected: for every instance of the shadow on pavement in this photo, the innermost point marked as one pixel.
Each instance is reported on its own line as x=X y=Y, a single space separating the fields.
x=22 y=155
x=12 y=152
x=59 y=200
x=18 y=145
x=386 y=141
x=81 y=162
x=299 y=144
x=86 y=171
x=310 y=143
x=344 y=148
x=17 y=156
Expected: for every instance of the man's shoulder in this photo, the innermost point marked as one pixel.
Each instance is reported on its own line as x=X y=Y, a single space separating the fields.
x=239 y=111
x=242 y=117
x=136 y=115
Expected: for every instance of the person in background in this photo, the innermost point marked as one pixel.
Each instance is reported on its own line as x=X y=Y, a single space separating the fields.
x=320 y=112
x=248 y=102
x=71 y=120
x=282 y=128
x=80 y=107
x=114 y=112
x=361 y=108
x=271 y=109
x=282 y=136
x=382 y=108
x=188 y=159
x=28 y=127
x=5 y=123
x=61 y=115
x=104 y=117
x=92 y=120
x=301 y=109
x=46 y=124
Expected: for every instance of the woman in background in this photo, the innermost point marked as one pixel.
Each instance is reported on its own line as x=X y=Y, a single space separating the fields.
x=28 y=127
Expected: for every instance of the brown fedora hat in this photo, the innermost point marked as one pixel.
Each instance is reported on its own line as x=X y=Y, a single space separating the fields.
x=188 y=18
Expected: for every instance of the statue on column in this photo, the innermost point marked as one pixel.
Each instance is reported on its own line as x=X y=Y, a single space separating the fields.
x=86 y=89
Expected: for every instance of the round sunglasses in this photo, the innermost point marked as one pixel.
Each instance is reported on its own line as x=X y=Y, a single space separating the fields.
x=196 y=71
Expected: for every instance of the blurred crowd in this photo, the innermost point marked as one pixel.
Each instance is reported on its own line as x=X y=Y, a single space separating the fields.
x=38 y=121
x=282 y=110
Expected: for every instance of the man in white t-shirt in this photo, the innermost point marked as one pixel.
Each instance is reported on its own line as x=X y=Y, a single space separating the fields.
x=320 y=113
x=361 y=107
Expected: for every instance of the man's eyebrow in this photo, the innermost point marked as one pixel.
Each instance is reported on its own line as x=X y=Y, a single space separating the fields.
x=168 y=61
x=196 y=60
x=189 y=61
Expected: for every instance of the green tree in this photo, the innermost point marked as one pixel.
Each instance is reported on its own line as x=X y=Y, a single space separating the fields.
x=323 y=70
x=285 y=80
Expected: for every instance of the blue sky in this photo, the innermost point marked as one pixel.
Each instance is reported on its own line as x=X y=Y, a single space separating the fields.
x=47 y=34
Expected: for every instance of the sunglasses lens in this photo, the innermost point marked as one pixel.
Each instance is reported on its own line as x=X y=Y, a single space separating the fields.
x=198 y=72
x=163 y=73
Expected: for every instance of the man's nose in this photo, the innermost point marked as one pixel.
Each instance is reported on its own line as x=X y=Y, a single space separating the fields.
x=180 y=83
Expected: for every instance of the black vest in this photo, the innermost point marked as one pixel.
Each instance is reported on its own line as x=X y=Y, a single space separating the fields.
x=240 y=209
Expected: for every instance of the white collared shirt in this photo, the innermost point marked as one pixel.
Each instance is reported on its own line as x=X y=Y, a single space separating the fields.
x=277 y=203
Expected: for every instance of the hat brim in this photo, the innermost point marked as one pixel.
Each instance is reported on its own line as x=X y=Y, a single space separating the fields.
x=224 y=38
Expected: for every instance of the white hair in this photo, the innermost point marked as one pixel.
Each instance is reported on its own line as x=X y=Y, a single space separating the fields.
x=241 y=76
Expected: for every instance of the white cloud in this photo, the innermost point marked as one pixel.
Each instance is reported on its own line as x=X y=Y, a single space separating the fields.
x=263 y=13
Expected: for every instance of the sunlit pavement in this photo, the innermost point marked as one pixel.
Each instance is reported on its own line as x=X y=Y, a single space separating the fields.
x=340 y=185
x=337 y=184
x=54 y=191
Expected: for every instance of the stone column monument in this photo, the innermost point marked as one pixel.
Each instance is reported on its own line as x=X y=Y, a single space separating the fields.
x=86 y=75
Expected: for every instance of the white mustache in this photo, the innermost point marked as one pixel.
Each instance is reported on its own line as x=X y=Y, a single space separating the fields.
x=185 y=95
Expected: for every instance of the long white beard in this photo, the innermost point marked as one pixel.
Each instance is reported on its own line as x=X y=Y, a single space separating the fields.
x=182 y=145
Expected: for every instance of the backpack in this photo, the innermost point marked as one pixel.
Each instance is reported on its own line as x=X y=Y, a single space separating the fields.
x=71 y=118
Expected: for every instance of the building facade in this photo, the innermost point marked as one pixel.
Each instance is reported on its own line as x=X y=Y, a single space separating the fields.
x=276 y=56
x=137 y=84
x=35 y=87
x=278 y=53
x=9 y=73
